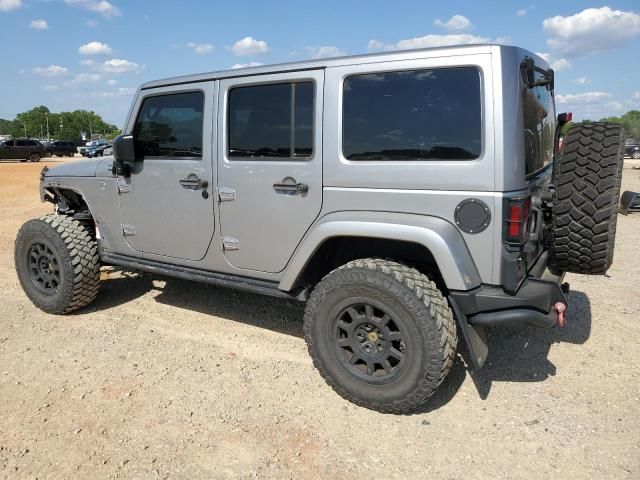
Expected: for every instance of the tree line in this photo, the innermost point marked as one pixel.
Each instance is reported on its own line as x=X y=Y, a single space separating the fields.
x=630 y=122
x=61 y=126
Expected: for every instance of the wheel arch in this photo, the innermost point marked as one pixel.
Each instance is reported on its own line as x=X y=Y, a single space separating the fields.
x=338 y=236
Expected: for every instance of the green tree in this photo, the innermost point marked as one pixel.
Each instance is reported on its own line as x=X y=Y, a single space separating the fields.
x=630 y=121
x=63 y=126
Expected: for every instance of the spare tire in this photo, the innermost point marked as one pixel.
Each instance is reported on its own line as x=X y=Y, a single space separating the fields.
x=587 y=179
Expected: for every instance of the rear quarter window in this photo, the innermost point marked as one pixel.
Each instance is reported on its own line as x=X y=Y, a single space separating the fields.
x=413 y=115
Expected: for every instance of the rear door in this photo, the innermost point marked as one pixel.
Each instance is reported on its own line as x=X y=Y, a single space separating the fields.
x=166 y=203
x=8 y=149
x=269 y=165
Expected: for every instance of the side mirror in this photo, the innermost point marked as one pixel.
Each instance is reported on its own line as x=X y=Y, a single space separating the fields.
x=123 y=149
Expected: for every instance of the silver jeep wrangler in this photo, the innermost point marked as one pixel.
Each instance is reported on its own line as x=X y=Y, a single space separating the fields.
x=405 y=196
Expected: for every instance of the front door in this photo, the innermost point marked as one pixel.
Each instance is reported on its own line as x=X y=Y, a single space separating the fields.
x=269 y=165
x=167 y=203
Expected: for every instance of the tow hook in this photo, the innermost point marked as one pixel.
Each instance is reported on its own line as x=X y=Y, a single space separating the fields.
x=560 y=308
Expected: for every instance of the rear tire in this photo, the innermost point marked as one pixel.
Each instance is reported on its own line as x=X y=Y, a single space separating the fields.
x=381 y=334
x=34 y=157
x=585 y=201
x=57 y=263
x=636 y=155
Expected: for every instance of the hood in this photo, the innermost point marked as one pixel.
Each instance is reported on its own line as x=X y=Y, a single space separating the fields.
x=94 y=167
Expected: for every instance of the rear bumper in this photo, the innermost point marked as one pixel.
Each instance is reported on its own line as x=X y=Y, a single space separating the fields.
x=532 y=304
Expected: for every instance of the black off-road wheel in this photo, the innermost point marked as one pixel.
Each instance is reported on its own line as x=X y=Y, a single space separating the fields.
x=34 y=157
x=585 y=202
x=636 y=155
x=381 y=334
x=57 y=263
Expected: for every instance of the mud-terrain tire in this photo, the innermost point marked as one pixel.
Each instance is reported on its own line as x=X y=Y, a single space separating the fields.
x=585 y=201
x=34 y=157
x=370 y=310
x=57 y=263
x=635 y=155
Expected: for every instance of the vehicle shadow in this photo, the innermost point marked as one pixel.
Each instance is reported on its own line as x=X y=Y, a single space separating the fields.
x=521 y=355
x=280 y=315
x=515 y=354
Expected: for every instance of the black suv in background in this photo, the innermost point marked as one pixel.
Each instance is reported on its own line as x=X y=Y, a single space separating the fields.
x=22 y=149
x=62 y=149
x=632 y=149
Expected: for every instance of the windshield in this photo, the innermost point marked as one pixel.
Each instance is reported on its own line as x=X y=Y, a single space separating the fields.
x=539 y=125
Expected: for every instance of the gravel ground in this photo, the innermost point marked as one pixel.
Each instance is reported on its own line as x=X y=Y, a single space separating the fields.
x=164 y=378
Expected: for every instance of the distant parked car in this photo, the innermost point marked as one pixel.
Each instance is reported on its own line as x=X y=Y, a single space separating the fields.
x=97 y=151
x=22 y=149
x=62 y=149
x=632 y=150
x=90 y=145
x=108 y=151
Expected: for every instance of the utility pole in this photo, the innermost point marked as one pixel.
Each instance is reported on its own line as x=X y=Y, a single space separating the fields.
x=25 y=129
x=60 y=132
x=47 y=117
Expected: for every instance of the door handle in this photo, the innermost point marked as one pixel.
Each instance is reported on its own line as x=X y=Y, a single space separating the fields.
x=290 y=186
x=194 y=183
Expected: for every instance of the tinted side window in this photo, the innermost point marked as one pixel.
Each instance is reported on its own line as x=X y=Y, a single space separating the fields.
x=21 y=143
x=413 y=115
x=9 y=143
x=539 y=125
x=170 y=126
x=33 y=143
x=269 y=121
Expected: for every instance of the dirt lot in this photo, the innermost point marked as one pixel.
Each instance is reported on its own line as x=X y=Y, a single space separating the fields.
x=163 y=378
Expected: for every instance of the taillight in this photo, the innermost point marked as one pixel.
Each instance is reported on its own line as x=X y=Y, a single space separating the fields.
x=517 y=220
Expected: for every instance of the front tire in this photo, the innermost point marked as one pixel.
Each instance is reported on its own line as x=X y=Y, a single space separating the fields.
x=34 y=157
x=57 y=263
x=636 y=155
x=381 y=334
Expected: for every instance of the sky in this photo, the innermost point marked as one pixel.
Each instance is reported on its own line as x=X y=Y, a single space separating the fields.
x=92 y=54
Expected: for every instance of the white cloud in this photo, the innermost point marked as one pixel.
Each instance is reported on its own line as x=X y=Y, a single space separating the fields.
x=429 y=41
x=51 y=71
x=88 y=62
x=635 y=97
x=592 y=30
x=8 y=5
x=560 y=64
x=456 y=23
x=39 y=24
x=582 y=98
x=85 y=78
x=522 y=12
x=544 y=55
x=51 y=88
x=112 y=82
x=245 y=65
x=582 y=81
x=117 y=65
x=92 y=23
x=325 y=51
x=120 y=92
x=249 y=46
x=104 y=8
x=557 y=64
x=614 y=106
x=200 y=48
x=95 y=48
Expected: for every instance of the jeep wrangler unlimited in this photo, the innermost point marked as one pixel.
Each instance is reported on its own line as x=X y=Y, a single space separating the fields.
x=405 y=196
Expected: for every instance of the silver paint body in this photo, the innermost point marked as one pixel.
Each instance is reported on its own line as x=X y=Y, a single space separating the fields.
x=276 y=233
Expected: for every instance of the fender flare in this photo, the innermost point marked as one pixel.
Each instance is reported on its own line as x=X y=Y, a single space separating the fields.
x=440 y=237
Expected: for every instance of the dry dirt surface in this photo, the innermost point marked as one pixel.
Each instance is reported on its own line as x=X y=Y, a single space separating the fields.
x=164 y=378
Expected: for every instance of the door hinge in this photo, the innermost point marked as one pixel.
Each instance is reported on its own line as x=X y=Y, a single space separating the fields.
x=123 y=186
x=229 y=243
x=128 y=230
x=226 y=194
